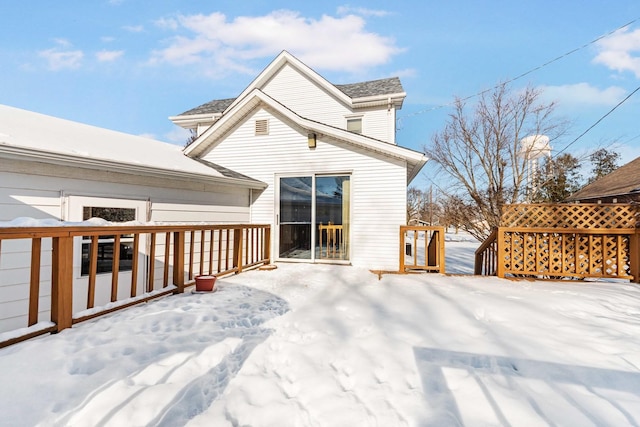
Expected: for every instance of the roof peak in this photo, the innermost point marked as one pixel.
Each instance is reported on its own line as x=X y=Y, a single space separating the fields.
x=377 y=87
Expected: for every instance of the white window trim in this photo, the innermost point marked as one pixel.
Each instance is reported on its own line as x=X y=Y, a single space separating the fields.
x=355 y=117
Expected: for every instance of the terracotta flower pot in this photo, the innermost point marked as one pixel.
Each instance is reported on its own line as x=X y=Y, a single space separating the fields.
x=205 y=283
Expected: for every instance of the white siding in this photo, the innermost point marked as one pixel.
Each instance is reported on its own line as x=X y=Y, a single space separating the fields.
x=40 y=196
x=297 y=92
x=378 y=183
x=43 y=197
x=379 y=124
x=300 y=94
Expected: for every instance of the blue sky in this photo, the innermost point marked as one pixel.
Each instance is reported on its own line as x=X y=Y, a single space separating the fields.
x=129 y=64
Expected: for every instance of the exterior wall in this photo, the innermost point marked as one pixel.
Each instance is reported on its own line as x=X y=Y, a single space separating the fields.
x=378 y=184
x=43 y=194
x=294 y=90
x=37 y=190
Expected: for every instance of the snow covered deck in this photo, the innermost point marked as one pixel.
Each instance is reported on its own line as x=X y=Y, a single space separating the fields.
x=322 y=345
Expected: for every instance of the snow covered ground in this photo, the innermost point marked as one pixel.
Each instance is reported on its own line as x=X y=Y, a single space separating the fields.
x=321 y=345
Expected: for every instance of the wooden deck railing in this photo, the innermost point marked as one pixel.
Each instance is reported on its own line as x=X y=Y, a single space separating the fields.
x=567 y=252
x=564 y=240
x=426 y=246
x=486 y=256
x=160 y=260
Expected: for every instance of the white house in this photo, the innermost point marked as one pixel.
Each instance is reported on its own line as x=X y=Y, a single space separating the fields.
x=317 y=161
x=336 y=180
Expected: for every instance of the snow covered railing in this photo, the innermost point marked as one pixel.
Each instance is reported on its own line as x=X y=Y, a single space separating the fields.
x=55 y=276
x=421 y=248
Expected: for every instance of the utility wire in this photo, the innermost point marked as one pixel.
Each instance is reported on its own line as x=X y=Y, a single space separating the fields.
x=437 y=107
x=600 y=119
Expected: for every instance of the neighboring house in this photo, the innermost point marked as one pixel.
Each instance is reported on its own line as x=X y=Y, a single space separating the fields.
x=620 y=186
x=61 y=170
x=336 y=180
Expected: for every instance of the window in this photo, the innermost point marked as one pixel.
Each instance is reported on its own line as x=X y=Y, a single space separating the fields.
x=262 y=127
x=354 y=124
x=105 y=243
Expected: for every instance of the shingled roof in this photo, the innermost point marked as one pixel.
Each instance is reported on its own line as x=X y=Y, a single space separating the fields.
x=372 y=88
x=623 y=182
x=353 y=90
x=215 y=106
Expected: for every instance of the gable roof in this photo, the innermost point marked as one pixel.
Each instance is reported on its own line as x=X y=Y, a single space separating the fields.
x=33 y=136
x=621 y=182
x=256 y=99
x=363 y=94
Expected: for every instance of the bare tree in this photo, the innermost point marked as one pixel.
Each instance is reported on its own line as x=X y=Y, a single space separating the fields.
x=422 y=207
x=193 y=135
x=415 y=204
x=482 y=153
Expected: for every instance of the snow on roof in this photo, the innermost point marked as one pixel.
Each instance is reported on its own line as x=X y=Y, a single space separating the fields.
x=34 y=131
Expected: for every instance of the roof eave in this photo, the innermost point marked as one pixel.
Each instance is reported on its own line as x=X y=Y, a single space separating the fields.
x=396 y=99
x=64 y=159
x=193 y=120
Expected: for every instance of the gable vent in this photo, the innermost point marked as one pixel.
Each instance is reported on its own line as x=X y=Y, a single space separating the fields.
x=262 y=127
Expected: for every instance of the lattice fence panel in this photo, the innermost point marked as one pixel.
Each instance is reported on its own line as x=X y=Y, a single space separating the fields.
x=567 y=254
x=571 y=216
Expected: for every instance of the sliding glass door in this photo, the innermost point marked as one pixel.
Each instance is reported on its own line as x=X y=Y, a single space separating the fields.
x=314 y=215
x=296 y=204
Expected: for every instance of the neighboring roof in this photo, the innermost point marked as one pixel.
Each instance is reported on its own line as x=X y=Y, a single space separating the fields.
x=372 y=88
x=415 y=160
x=623 y=181
x=34 y=136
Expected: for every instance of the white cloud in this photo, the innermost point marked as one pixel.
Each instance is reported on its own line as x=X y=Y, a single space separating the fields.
x=62 y=42
x=167 y=23
x=59 y=59
x=407 y=72
x=178 y=136
x=109 y=55
x=134 y=28
x=224 y=46
x=583 y=94
x=617 y=51
x=347 y=9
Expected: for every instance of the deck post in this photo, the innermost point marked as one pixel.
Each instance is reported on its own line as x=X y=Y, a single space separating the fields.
x=634 y=255
x=62 y=282
x=267 y=245
x=499 y=253
x=441 y=255
x=402 y=248
x=34 y=287
x=178 y=261
x=237 y=249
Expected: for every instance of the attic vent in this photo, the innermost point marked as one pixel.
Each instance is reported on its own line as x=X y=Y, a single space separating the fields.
x=262 y=127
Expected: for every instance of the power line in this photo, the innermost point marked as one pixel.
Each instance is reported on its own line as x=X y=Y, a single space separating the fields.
x=532 y=70
x=600 y=119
